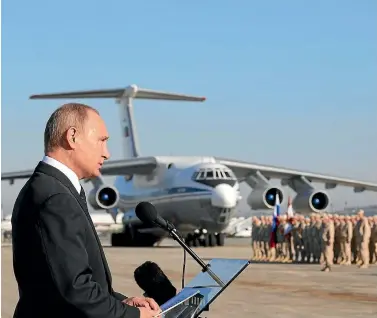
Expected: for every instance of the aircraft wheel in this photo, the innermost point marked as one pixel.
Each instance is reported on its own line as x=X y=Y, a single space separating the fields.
x=220 y=239
x=195 y=242
x=189 y=240
x=145 y=240
x=119 y=239
x=115 y=239
x=123 y=239
x=212 y=239
x=203 y=241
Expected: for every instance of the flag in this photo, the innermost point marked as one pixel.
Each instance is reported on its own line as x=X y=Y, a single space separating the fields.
x=290 y=215
x=275 y=222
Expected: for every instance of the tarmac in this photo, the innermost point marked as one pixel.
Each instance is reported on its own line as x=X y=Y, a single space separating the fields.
x=262 y=290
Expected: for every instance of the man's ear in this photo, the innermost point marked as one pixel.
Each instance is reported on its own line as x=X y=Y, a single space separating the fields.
x=71 y=137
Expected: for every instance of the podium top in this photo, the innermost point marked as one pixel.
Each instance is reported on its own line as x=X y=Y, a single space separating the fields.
x=226 y=269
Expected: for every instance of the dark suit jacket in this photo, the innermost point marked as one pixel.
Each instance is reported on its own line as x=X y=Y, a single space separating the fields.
x=58 y=260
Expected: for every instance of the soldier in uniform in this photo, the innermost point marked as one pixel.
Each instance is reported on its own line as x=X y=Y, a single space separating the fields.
x=312 y=238
x=317 y=239
x=337 y=254
x=301 y=232
x=355 y=253
x=255 y=238
x=296 y=239
x=363 y=237
x=269 y=251
x=347 y=232
x=279 y=241
x=262 y=239
x=285 y=240
x=328 y=243
x=373 y=239
x=305 y=238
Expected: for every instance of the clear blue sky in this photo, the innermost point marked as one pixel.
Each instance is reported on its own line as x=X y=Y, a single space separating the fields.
x=289 y=83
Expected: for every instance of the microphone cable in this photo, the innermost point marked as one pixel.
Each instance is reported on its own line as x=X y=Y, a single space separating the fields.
x=184 y=268
x=184 y=259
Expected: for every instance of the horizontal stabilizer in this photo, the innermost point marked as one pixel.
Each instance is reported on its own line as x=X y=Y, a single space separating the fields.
x=131 y=91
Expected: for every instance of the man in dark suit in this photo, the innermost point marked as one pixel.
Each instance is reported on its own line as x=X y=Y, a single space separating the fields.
x=58 y=260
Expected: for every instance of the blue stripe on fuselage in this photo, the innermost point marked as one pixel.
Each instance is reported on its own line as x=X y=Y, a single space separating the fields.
x=165 y=194
x=179 y=190
x=175 y=191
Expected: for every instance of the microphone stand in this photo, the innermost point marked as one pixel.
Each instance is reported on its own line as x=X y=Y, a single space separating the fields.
x=205 y=267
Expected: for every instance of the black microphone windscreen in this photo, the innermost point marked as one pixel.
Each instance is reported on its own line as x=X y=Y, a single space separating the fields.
x=150 y=278
x=146 y=212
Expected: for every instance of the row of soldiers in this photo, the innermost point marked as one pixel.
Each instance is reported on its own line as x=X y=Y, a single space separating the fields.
x=321 y=238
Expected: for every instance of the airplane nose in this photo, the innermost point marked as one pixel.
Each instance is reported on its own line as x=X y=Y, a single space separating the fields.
x=224 y=196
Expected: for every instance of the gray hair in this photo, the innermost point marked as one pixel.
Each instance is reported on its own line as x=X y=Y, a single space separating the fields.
x=66 y=116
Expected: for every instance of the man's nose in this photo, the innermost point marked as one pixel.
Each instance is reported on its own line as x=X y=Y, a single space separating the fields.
x=106 y=153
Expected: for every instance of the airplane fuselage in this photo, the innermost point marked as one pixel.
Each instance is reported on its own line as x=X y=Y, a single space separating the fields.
x=191 y=195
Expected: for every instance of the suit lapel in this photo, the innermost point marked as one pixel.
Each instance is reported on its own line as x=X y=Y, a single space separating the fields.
x=56 y=173
x=86 y=211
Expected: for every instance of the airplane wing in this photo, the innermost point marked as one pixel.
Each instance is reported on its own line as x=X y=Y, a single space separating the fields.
x=140 y=165
x=243 y=169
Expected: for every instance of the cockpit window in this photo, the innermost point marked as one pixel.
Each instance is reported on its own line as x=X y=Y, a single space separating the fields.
x=200 y=175
x=214 y=176
x=227 y=174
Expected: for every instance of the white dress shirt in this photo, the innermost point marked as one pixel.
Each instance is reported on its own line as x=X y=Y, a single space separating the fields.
x=64 y=169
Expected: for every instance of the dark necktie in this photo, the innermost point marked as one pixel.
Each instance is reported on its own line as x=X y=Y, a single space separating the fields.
x=82 y=195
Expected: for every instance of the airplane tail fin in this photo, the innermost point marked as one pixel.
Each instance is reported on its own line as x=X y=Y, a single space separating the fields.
x=124 y=96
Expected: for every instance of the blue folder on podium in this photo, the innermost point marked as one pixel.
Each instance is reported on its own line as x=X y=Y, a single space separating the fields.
x=202 y=290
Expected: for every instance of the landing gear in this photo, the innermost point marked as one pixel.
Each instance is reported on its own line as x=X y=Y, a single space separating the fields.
x=205 y=239
x=220 y=239
x=130 y=237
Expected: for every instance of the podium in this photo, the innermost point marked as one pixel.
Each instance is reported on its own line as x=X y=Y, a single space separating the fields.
x=202 y=290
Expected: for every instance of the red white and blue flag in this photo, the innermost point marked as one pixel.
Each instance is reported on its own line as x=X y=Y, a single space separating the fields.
x=290 y=216
x=275 y=222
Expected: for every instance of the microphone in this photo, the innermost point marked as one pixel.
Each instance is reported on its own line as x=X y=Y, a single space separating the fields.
x=147 y=213
x=150 y=278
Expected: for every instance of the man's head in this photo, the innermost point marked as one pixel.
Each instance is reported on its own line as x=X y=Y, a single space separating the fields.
x=360 y=214
x=76 y=135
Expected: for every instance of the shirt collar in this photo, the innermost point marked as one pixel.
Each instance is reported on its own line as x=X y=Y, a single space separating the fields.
x=64 y=169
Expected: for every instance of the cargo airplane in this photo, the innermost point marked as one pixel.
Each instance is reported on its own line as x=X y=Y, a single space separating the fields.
x=198 y=194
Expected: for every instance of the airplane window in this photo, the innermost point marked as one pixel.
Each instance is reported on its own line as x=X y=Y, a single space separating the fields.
x=213 y=177
x=209 y=174
x=218 y=174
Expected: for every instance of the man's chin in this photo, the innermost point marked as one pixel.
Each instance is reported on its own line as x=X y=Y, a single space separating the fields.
x=93 y=174
x=97 y=173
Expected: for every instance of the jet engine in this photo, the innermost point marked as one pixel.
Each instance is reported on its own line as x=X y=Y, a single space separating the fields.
x=104 y=197
x=311 y=201
x=260 y=199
